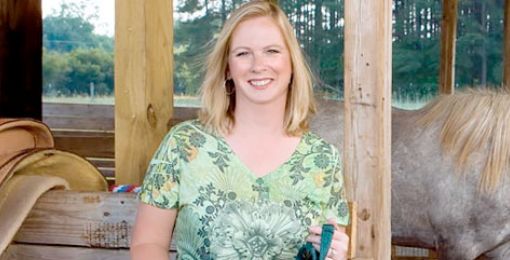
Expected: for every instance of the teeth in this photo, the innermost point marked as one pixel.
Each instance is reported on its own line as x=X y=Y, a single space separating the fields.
x=260 y=82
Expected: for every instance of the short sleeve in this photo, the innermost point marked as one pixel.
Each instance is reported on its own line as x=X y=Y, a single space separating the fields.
x=337 y=206
x=160 y=187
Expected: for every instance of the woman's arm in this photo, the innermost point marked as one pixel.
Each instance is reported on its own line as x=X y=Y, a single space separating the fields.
x=152 y=232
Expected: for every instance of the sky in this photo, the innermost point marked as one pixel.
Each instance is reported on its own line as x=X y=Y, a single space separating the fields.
x=105 y=23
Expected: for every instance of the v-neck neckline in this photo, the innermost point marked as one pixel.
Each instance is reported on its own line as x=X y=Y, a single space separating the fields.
x=270 y=173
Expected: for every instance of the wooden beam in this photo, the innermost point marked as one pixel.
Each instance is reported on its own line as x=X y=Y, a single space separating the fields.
x=90 y=219
x=20 y=58
x=367 y=139
x=143 y=83
x=86 y=144
x=79 y=116
x=506 y=43
x=448 y=39
x=37 y=252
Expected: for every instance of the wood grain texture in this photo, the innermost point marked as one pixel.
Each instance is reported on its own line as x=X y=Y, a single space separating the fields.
x=91 y=219
x=367 y=133
x=506 y=43
x=448 y=40
x=88 y=130
x=79 y=123
x=37 y=252
x=71 y=118
x=143 y=83
x=351 y=230
x=87 y=145
x=78 y=110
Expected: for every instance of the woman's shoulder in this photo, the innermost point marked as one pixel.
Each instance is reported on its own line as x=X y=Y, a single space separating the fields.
x=316 y=140
x=186 y=126
x=316 y=143
x=189 y=129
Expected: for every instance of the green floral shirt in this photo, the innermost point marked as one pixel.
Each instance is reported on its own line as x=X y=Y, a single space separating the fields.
x=226 y=212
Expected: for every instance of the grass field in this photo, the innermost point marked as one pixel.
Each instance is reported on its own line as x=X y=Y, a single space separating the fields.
x=189 y=101
x=181 y=101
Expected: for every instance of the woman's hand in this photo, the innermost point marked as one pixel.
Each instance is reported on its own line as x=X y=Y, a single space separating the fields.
x=339 y=244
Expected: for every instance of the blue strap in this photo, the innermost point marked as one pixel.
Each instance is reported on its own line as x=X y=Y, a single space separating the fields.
x=326 y=239
x=309 y=253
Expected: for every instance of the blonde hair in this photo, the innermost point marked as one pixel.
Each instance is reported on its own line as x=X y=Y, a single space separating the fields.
x=475 y=120
x=218 y=103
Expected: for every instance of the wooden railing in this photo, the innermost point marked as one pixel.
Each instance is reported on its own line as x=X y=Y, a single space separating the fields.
x=88 y=130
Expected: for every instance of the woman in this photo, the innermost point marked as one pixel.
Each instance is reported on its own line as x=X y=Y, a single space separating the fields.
x=247 y=180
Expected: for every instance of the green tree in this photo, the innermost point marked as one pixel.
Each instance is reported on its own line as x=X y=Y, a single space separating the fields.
x=70 y=28
x=90 y=66
x=74 y=56
x=55 y=73
x=479 y=43
x=319 y=27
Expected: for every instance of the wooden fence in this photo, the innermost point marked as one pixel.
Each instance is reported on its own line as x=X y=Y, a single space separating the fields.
x=88 y=130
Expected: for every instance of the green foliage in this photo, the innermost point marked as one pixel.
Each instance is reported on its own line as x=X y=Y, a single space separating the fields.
x=71 y=73
x=479 y=43
x=74 y=57
x=64 y=34
x=55 y=73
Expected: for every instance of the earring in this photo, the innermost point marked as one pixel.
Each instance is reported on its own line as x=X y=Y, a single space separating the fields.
x=229 y=87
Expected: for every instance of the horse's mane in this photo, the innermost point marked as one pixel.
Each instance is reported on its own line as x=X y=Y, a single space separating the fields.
x=475 y=120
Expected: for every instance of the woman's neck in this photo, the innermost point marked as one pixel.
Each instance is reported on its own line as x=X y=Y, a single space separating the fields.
x=266 y=119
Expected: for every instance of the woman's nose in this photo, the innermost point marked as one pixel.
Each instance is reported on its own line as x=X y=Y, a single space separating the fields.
x=258 y=63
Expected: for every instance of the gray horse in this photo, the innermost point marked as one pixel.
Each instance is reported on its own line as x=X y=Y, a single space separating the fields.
x=450 y=167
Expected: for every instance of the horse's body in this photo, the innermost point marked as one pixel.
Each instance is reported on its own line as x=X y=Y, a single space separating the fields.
x=433 y=204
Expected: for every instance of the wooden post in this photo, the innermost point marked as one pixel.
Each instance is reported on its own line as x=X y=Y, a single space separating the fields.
x=143 y=83
x=448 y=39
x=506 y=53
x=20 y=58
x=367 y=143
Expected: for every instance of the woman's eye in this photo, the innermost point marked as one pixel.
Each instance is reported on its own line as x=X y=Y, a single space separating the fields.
x=273 y=51
x=239 y=54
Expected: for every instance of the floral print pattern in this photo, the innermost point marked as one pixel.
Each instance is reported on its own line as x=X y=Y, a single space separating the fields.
x=226 y=212
x=261 y=230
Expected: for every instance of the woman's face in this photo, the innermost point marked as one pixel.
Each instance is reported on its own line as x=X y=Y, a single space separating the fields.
x=259 y=62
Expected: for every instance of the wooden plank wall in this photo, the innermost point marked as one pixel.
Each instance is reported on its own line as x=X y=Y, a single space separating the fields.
x=20 y=58
x=88 y=130
x=79 y=117
x=506 y=43
x=91 y=225
x=367 y=134
x=143 y=83
x=448 y=39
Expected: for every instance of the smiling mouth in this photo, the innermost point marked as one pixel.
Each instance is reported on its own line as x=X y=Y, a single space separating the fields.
x=260 y=84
